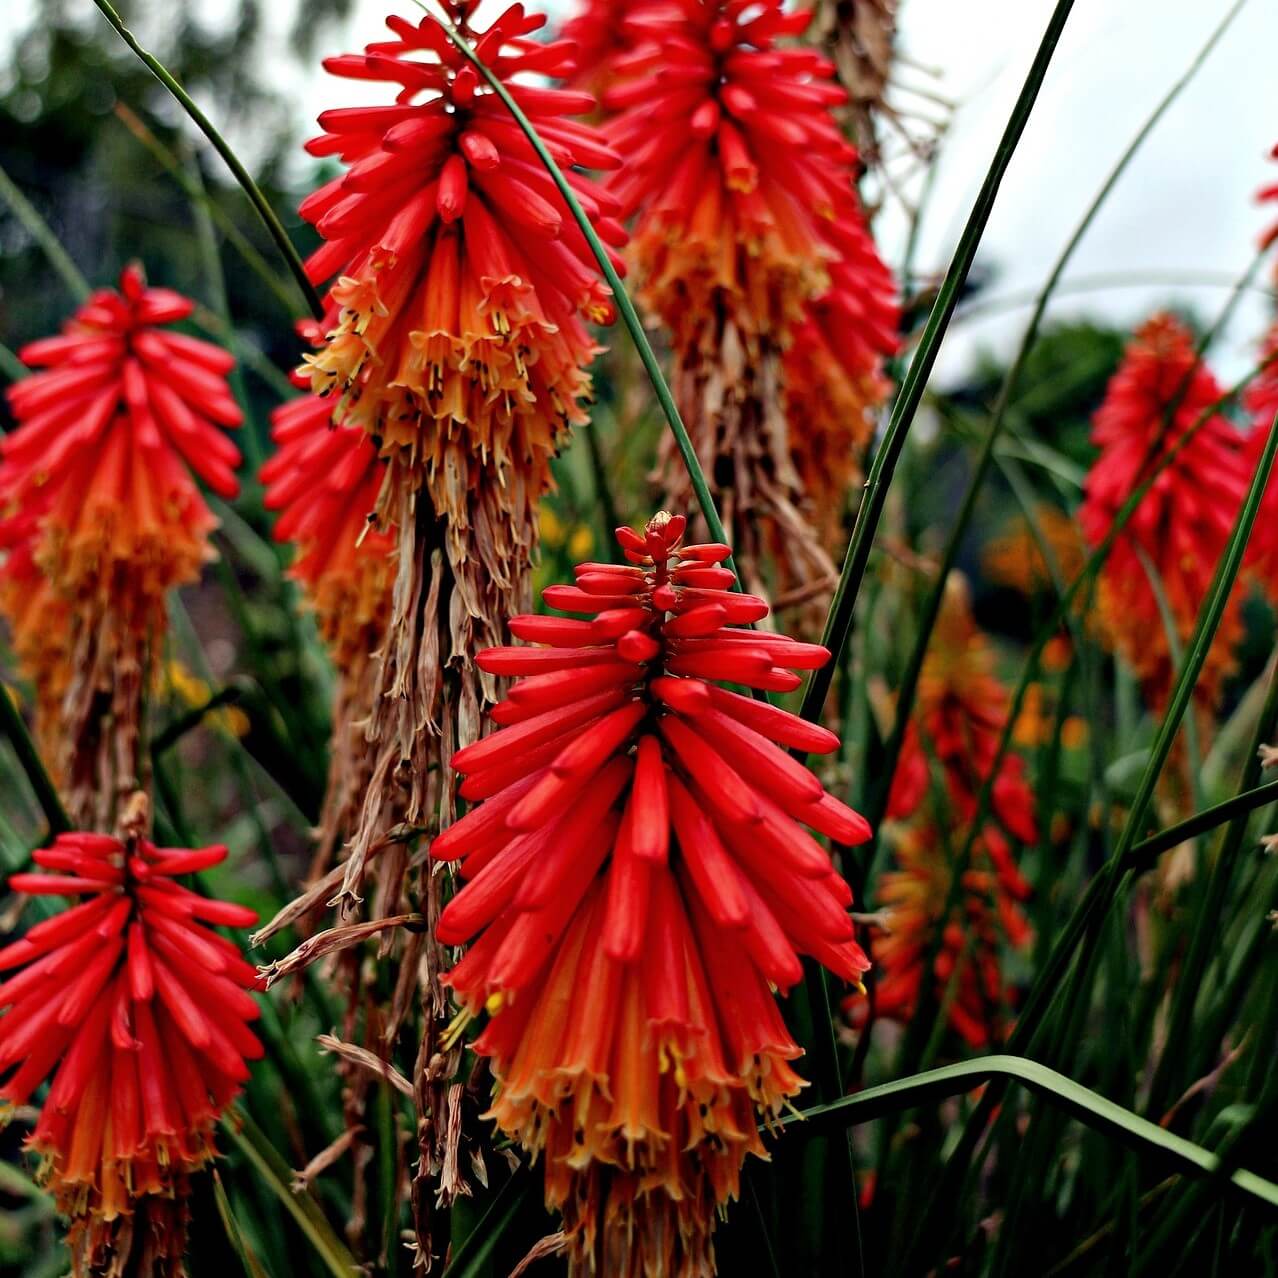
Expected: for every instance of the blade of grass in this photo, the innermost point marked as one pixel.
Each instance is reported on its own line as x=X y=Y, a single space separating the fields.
x=275 y=1173
x=252 y=1266
x=42 y=233
x=1077 y=1101
x=838 y=625
x=1007 y=392
x=11 y=366
x=471 y=1259
x=14 y=727
x=241 y=174
x=1147 y=851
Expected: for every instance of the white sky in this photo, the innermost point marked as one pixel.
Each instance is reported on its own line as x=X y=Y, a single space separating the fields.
x=1184 y=207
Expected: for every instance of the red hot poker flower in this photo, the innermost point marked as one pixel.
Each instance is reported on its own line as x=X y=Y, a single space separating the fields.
x=961 y=711
x=638 y=877
x=111 y=435
x=456 y=326
x=967 y=975
x=1161 y=390
x=138 y=1014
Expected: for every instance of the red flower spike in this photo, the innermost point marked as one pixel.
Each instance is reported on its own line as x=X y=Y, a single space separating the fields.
x=464 y=286
x=138 y=1015
x=1181 y=527
x=914 y=897
x=632 y=892
x=98 y=498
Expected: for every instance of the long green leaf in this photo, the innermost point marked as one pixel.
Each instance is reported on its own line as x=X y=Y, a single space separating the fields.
x=1078 y=1101
x=14 y=727
x=838 y=624
x=241 y=174
x=275 y=1173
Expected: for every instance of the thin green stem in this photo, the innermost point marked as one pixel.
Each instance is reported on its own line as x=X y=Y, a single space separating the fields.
x=42 y=233
x=838 y=625
x=1147 y=851
x=11 y=366
x=256 y=198
x=14 y=727
x=1011 y=382
x=629 y=316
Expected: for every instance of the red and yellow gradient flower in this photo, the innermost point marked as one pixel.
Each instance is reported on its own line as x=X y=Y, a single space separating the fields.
x=749 y=241
x=456 y=332
x=639 y=877
x=964 y=928
x=138 y=1014
x=604 y=38
x=1161 y=391
x=960 y=713
x=111 y=437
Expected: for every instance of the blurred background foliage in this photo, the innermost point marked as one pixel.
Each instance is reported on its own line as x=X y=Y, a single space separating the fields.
x=99 y=150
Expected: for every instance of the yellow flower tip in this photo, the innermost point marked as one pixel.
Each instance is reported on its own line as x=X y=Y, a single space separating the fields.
x=495 y=1002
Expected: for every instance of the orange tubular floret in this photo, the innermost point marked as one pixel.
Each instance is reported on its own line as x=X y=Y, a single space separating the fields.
x=634 y=887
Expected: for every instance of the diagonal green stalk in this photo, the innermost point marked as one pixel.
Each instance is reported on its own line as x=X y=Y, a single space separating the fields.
x=1079 y=1102
x=11 y=366
x=838 y=624
x=1007 y=392
x=42 y=233
x=256 y=198
x=629 y=316
x=1242 y=805
x=14 y=727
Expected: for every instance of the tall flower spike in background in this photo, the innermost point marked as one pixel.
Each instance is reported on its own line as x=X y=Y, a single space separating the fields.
x=456 y=337
x=975 y=918
x=138 y=1014
x=639 y=879
x=109 y=438
x=737 y=230
x=1181 y=527
x=959 y=716
x=324 y=481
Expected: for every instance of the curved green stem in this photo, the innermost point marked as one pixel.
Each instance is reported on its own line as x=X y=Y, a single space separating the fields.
x=839 y=623
x=1011 y=382
x=1080 y=1102
x=1147 y=851
x=241 y=174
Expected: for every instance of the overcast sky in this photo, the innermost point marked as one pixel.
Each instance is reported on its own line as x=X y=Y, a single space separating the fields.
x=1184 y=210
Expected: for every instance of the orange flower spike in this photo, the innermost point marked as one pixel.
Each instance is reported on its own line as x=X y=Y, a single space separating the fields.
x=748 y=209
x=100 y=511
x=464 y=285
x=632 y=894
x=138 y=1013
x=1161 y=390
